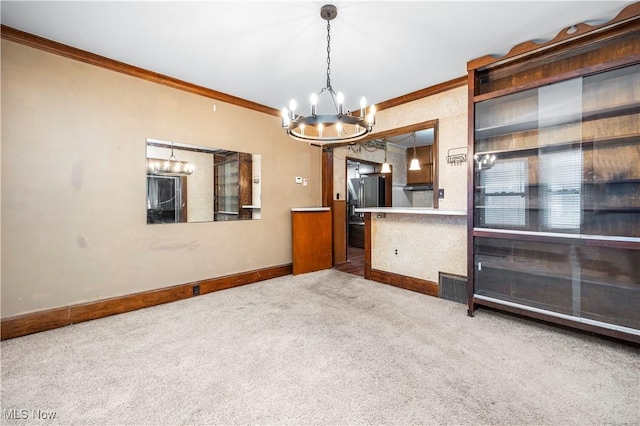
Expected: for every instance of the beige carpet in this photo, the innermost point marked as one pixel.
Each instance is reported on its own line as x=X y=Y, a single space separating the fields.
x=322 y=348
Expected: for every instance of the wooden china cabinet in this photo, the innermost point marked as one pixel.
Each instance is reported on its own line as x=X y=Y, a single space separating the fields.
x=554 y=184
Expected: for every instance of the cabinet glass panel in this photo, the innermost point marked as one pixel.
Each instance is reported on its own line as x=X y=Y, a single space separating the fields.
x=503 y=197
x=598 y=283
x=227 y=188
x=610 y=290
x=611 y=150
x=507 y=123
x=562 y=158
x=524 y=272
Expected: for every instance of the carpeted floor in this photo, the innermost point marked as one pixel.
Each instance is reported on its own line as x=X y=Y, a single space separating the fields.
x=323 y=348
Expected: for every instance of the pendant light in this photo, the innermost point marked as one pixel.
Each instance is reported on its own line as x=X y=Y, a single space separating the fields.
x=415 y=163
x=386 y=168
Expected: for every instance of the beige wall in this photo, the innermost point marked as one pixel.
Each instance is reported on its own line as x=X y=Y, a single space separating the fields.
x=73 y=184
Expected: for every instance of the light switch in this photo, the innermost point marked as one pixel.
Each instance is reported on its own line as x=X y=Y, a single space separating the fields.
x=305 y=182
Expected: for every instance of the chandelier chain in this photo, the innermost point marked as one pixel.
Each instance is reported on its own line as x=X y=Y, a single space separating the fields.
x=328 y=54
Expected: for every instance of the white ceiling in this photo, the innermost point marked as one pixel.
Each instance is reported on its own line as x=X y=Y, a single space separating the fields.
x=271 y=51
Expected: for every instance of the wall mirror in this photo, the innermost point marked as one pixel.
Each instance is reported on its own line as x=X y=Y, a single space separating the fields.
x=189 y=183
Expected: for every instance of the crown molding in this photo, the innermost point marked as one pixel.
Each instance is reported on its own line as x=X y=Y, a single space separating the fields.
x=41 y=43
x=50 y=46
x=423 y=93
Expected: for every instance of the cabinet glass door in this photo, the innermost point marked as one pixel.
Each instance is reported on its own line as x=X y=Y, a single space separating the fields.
x=562 y=158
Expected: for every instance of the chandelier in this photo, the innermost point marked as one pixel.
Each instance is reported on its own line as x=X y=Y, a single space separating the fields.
x=341 y=126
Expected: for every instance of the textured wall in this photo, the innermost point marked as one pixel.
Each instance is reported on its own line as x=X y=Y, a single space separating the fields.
x=73 y=184
x=426 y=244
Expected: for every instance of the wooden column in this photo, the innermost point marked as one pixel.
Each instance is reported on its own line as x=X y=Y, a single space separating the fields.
x=327 y=177
x=339 y=210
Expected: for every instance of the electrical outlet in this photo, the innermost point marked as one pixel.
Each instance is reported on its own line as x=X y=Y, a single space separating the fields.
x=196 y=290
x=395 y=252
x=298 y=179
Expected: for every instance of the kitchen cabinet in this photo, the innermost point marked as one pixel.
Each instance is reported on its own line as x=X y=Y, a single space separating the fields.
x=424 y=176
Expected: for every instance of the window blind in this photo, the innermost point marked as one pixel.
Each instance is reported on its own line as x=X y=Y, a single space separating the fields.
x=561 y=177
x=504 y=187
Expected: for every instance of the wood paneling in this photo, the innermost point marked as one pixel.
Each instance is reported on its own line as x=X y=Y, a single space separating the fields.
x=312 y=241
x=327 y=177
x=339 y=210
x=408 y=283
x=59 y=317
x=50 y=46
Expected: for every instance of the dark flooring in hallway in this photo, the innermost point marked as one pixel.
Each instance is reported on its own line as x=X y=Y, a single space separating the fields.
x=355 y=262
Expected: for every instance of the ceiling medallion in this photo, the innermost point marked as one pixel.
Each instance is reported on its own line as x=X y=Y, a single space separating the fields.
x=343 y=126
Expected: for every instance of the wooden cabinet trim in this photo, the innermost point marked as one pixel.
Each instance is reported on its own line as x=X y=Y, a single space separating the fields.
x=629 y=16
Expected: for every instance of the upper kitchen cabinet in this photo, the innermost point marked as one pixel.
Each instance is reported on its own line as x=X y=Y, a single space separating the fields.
x=424 y=176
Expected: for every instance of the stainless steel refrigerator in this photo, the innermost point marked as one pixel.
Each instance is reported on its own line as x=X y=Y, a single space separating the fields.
x=366 y=191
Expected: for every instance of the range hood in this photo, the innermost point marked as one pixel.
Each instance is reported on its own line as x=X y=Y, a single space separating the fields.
x=418 y=187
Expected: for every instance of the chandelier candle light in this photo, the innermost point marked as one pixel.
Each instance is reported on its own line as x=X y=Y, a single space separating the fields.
x=342 y=126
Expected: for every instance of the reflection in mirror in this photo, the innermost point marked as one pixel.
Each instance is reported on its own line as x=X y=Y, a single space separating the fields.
x=188 y=183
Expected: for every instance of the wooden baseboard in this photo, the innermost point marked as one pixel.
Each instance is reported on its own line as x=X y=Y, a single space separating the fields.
x=36 y=322
x=408 y=283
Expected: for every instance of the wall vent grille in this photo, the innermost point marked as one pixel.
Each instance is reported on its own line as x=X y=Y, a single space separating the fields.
x=452 y=287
